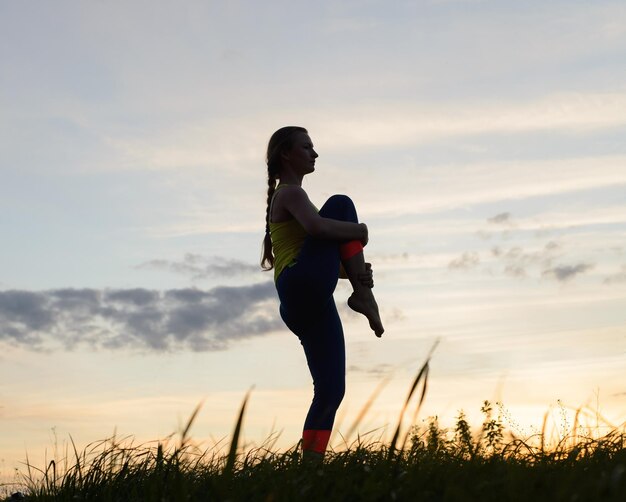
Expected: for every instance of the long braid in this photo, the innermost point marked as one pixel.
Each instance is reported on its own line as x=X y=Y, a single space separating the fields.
x=280 y=141
x=267 y=262
x=271 y=188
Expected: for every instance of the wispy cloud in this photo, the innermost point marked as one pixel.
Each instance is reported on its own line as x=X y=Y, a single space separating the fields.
x=456 y=185
x=518 y=262
x=420 y=123
x=525 y=259
x=466 y=261
x=619 y=277
x=563 y=273
x=199 y=267
x=137 y=319
x=378 y=370
x=500 y=219
x=583 y=216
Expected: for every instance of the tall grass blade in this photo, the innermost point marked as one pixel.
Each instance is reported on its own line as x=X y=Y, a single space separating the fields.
x=367 y=406
x=419 y=403
x=78 y=464
x=423 y=373
x=190 y=423
x=232 y=454
x=543 y=433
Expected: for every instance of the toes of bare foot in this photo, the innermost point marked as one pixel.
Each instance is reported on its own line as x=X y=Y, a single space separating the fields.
x=370 y=310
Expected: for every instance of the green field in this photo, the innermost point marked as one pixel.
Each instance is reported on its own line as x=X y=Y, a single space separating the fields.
x=434 y=465
x=490 y=462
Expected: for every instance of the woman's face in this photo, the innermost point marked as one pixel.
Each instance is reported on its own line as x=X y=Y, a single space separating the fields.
x=301 y=157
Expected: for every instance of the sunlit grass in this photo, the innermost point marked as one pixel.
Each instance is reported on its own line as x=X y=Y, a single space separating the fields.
x=584 y=460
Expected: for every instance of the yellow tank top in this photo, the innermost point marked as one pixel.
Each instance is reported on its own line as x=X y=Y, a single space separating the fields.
x=287 y=240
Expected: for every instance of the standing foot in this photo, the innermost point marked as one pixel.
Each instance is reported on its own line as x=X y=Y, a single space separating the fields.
x=365 y=303
x=310 y=457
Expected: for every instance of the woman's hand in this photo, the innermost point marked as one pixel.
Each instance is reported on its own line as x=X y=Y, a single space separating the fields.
x=367 y=278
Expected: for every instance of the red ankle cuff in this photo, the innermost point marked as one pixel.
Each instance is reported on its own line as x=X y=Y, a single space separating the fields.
x=315 y=440
x=349 y=249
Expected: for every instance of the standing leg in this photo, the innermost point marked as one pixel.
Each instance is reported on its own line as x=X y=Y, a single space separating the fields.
x=324 y=348
x=319 y=329
x=322 y=338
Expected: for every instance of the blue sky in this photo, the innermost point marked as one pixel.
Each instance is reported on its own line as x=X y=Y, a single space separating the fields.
x=483 y=142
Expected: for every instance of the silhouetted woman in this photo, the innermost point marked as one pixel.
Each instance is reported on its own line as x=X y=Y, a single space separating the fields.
x=308 y=250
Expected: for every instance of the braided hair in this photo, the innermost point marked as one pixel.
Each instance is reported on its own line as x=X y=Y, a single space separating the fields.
x=281 y=141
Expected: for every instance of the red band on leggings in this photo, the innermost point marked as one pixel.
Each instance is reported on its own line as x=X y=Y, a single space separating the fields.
x=315 y=440
x=349 y=249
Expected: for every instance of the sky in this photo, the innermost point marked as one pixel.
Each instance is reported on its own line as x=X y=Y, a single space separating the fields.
x=483 y=143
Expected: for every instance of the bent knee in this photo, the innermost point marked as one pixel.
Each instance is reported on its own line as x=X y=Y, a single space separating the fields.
x=340 y=199
x=339 y=207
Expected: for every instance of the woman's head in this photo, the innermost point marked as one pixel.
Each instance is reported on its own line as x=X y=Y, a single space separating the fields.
x=280 y=142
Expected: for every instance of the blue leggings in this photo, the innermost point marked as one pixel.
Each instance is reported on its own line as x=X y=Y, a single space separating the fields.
x=308 y=308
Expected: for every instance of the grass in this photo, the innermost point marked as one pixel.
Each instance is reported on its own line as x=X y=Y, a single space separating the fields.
x=425 y=462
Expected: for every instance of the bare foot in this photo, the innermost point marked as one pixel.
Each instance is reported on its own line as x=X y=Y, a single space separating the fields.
x=366 y=304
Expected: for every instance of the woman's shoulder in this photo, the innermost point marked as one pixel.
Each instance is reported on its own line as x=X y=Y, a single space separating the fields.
x=288 y=193
x=280 y=199
x=286 y=201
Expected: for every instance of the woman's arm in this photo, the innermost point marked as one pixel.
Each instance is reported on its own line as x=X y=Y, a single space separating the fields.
x=295 y=200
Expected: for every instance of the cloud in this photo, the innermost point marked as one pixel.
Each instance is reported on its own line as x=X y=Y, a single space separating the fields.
x=564 y=273
x=518 y=262
x=378 y=370
x=466 y=261
x=405 y=124
x=515 y=270
x=138 y=319
x=619 y=277
x=500 y=219
x=200 y=267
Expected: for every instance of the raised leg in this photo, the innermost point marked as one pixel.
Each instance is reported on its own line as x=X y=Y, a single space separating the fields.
x=362 y=299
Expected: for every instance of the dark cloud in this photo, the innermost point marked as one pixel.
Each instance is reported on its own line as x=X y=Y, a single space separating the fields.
x=464 y=262
x=138 y=297
x=199 y=267
x=500 y=219
x=564 y=273
x=140 y=319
